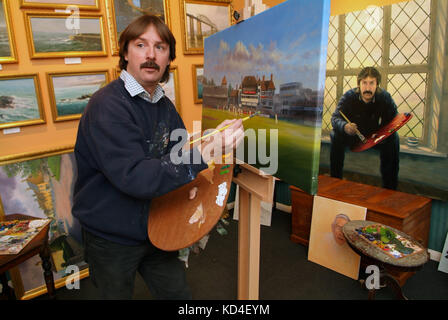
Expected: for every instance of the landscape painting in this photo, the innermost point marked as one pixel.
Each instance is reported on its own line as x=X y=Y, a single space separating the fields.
x=7 y=47
x=202 y=19
x=261 y=66
x=20 y=101
x=70 y=93
x=55 y=36
x=121 y=14
x=43 y=188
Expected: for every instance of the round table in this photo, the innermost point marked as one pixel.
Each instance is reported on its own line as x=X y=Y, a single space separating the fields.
x=376 y=256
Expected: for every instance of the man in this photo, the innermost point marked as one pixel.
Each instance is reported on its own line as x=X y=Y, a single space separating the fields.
x=368 y=107
x=123 y=157
x=336 y=228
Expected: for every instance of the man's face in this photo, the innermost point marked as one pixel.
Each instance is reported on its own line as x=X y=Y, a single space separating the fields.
x=337 y=231
x=148 y=57
x=367 y=87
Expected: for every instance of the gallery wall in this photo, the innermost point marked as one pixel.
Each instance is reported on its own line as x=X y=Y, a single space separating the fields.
x=50 y=136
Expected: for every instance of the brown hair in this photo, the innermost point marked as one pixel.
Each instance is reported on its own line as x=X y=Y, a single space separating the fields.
x=369 y=72
x=136 y=28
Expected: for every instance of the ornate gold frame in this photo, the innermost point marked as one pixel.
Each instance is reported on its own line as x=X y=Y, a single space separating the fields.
x=174 y=72
x=37 y=88
x=183 y=13
x=62 y=54
x=49 y=5
x=112 y=25
x=194 y=69
x=15 y=272
x=12 y=45
x=54 y=110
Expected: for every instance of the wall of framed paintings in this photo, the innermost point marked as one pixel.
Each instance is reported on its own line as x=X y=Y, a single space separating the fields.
x=50 y=63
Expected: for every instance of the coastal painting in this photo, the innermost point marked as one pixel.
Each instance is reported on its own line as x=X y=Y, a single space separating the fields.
x=7 y=48
x=43 y=188
x=20 y=101
x=121 y=13
x=202 y=19
x=58 y=35
x=260 y=67
x=70 y=92
x=53 y=4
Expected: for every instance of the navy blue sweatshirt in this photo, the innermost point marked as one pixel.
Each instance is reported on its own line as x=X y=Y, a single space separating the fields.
x=369 y=117
x=123 y=160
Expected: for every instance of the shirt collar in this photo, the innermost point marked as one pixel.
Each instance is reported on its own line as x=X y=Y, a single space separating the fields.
x=135 y=89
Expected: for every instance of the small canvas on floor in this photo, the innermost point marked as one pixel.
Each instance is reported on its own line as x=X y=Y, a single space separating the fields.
x=327 y=245
x=443 y=264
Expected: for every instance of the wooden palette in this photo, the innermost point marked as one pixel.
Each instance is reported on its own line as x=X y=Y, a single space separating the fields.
x=176 y=222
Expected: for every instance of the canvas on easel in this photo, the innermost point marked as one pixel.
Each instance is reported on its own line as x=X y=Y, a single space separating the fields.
x=274 y=64
x=327 y=245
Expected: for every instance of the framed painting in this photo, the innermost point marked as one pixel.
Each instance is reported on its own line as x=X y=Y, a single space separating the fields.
x=20 y=101
x=201 y=19
x=8 y=53
x=261 y=67
x=198 y=77
x=121 y=13
x=41 y=187
x=171 y=88
x=70 y=92
x=57 y=35
x=60 y=4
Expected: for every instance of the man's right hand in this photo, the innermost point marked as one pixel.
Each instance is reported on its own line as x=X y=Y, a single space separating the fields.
x=350 y=129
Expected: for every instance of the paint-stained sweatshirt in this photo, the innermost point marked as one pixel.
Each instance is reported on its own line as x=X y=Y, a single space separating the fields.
x=123 y=161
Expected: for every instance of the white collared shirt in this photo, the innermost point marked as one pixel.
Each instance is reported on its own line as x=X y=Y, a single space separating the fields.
x=135 y=89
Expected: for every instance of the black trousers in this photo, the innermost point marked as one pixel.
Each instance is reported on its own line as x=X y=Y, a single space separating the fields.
x=389 y=157
x=113 y=267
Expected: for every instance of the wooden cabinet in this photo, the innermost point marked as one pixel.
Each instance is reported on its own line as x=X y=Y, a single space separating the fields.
x=406 y=212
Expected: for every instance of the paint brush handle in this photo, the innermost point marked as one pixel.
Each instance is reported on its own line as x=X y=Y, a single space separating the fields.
x=359 y=134
x=223 y=128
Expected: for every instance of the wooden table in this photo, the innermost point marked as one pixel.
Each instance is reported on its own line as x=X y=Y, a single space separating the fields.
x=376 y=256
x=38 y=245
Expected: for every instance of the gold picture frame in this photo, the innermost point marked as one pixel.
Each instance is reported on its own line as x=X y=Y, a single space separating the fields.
x=71 y=91
x=113 y=11
x=8 y=53
x=52 y=4
x=83 y=39
x=197 y=82
x=24 y=166
x=21 y=101
x=171 y=88
x=195 y=14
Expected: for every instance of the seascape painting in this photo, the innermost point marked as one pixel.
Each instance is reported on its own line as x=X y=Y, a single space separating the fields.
x=5 y=50
x=201 y=20
x=43 y=188
x=123 y=12
x=51 y=36
x=262 y=67
x=20 y=102
x=71 y=93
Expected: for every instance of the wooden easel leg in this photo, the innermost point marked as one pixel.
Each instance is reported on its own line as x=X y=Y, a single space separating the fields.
x=248 y=246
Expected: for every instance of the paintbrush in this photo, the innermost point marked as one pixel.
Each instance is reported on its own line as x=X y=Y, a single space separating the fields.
x=223 y=128
x=359 y=134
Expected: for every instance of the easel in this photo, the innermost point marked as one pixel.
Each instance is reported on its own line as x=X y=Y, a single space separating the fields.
x=254 y=187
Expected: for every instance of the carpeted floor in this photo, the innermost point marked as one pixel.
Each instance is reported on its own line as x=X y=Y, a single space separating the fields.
x=285 y=272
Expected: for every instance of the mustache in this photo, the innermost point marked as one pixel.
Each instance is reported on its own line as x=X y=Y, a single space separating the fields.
x=367 y=91
x=150 y=64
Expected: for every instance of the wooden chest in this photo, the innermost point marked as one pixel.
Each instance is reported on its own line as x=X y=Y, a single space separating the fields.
x=406 y=212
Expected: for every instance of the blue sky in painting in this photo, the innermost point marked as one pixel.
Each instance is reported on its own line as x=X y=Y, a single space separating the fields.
x=288 y=40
